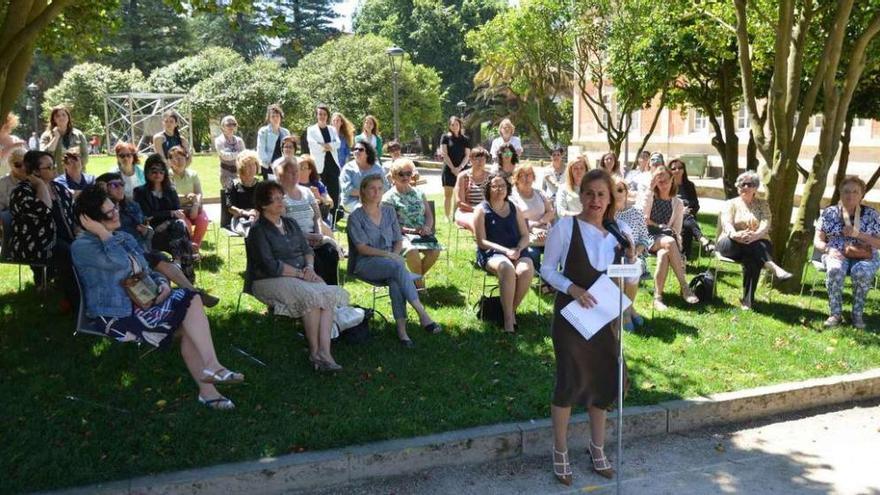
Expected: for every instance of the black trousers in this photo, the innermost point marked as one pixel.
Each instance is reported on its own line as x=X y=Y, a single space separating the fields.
x=326 y=261
x=330 y=178
x=752 y=256
x=690 y=230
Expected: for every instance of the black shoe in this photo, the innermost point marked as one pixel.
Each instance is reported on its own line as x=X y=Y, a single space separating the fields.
x=207 y=299
x=409 y=344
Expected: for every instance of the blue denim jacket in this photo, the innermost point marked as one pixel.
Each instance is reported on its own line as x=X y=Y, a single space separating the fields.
x=101 y=266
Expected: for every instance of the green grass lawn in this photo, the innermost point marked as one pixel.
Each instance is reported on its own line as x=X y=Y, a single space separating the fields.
x=138 y=415
x=207 y=166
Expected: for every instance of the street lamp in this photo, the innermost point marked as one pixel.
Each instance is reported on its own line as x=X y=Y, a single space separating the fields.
x=461 y=105
x=33 y=104
x=395 y=57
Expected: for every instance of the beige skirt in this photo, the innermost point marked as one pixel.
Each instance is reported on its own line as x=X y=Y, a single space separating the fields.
x=294 y=297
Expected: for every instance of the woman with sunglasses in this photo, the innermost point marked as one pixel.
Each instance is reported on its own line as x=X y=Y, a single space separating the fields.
x=16 y=174
x=663 y=213
x=132 y=221
x=73 y=177
x=635 y=220
x=127 y=166
x=687 y=192
x=170 y=137
x=363 y=165
x=324 y=143
x=42 y=223
x=161 y=206
x=228 y=146
x=745 y=235
x=270 y=138
x=104 y=258
x=189 y=189
x=61 y=136
x=502 y=237
x=420 y=247
x=506 y=160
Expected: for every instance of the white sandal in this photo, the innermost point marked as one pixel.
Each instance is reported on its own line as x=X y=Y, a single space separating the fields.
x=221 y=375
x=600 y=463
x=564 y=476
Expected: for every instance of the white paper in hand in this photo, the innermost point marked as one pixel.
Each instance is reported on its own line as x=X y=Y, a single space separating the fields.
x=589 y=321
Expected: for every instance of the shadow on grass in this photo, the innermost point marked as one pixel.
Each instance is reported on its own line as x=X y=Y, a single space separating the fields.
x=665 y=329
x=442 y=295
x=794 y=315
x=211 y=263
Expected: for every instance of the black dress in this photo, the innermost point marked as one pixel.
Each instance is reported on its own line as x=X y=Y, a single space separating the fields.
x=330 y=174
x=586 y=370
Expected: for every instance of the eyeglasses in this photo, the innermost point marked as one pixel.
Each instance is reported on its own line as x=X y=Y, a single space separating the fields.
x=115 y=183
x=125 y=155
x=276 y=197
x=358 y=150
x=231 y=125
x=507 y=153
x=72 y=158
x=498 y=187
x=748 y=185
x=157 y=171
x=41 y=169
x=676 y=169
x=404 y=174
x=18 y=165
x=288 y=147
x=109 y=214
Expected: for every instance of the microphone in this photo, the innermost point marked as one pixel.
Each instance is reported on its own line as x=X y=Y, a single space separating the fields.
x=614 y=229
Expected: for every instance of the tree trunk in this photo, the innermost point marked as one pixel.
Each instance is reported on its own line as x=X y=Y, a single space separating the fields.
x=780 y=190
x=752 y=154
x=844 y=157
x=802 y=233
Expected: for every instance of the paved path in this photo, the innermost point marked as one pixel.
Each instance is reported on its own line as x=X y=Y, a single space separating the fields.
x=834 y=451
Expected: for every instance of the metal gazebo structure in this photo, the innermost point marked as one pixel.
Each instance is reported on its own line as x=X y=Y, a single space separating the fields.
x=136 y=117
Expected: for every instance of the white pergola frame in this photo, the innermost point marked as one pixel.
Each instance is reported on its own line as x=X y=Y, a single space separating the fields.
x=136 y=117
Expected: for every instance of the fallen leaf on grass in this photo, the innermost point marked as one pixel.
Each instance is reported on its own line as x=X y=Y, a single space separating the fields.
x=161 y=403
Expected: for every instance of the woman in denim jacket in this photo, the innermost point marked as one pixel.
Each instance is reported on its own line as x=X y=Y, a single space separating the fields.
x=103 y=259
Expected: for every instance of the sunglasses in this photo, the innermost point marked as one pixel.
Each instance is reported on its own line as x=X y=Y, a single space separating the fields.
x=676 y=169
x=125 y=155
x=115 y=184
x=358 y=150
x=507 y=153
x=158 y=171
x=621 y=189
x=748 y=185
x=404 y=174
x=18 y=165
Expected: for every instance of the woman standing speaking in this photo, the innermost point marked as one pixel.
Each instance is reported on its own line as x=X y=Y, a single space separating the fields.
x=577 y=252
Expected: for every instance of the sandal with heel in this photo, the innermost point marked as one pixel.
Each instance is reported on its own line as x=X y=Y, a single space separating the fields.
x=563 y=475
x=600 y=463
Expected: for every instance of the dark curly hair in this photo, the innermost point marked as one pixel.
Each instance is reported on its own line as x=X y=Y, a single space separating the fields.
x=371 y=152
x=263 y=193
x=156 y=161
x=488 y=186
x=90 y=202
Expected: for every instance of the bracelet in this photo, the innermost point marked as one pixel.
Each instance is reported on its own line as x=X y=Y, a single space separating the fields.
x=309 y=266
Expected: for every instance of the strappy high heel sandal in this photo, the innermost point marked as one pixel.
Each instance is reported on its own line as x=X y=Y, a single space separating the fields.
x=562 y=469
x=600 y=463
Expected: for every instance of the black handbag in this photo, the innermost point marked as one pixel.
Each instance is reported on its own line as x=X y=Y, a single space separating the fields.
x=489 y=310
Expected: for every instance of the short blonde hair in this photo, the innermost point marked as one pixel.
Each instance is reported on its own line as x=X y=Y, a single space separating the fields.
x=17 y=154
x=11 y=121
x=400 y=164
x=505 y=122
x=520 y=170
x=248 y=157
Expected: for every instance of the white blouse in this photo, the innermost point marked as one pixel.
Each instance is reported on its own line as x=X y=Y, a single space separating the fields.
x=599 y=248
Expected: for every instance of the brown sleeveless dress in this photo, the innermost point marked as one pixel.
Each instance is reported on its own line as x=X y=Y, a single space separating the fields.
x=586 y=370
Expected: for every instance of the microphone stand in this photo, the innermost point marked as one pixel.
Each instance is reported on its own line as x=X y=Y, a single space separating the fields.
x=619 y=259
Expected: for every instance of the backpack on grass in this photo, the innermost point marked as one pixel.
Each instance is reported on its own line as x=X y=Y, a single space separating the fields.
x=703 y=286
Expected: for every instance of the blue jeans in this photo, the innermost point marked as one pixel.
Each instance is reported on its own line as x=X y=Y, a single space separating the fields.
x=381 y=271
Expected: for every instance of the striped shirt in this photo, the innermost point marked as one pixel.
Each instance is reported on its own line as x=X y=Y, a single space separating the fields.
x=474 y=192
x=300 y=210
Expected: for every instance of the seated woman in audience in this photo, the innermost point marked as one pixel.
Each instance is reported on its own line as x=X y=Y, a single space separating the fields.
x=240 y=195
x=420 y=246
x=170 y=137
x=73 y=177
x=663 y=214
x=634 y=219
x=502 y=236
x=363 y=165
x=639 y=179
x=535 y=208
x=17 y=173
x=469 y=188
x=301 y=207
x=161 y=206
x=506 y=160
x=289 y=149
x=745 y=235
x=106 y=257
x=611 y=164
x=554 y=175
x=309 y=178
x=132 y=222
x=568 y=199
x=61 y=135
x=189 y=190
x=849 y=236
x=127 y=166
x=42 y=223
x=687 y=193
x=281 y=274
x=9 y=141
x=374 y=255
x=228 y=146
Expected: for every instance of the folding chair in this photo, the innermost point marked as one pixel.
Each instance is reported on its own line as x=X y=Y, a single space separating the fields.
x=375 y=288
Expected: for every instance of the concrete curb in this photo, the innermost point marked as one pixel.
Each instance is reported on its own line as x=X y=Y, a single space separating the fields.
x=315 y=470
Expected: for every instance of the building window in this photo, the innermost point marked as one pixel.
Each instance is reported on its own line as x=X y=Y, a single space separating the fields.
x=742 y=118
x=701 y=122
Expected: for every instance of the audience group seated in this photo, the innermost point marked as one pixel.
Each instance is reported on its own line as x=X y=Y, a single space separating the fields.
x=136 y=225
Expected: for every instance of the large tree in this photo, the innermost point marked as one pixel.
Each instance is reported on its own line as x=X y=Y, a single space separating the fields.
x=150 y=34
x=433 y=33
x=819 y=49
x=299 y=25
x=240 y=31
x=362 y=85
